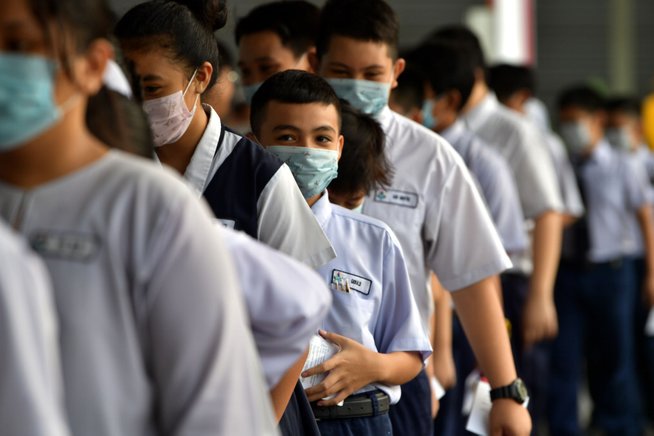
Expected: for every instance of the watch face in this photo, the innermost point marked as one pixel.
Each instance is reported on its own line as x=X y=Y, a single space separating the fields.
x=520 y=390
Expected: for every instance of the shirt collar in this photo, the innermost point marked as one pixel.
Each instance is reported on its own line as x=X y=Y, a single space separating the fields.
x=601 y=153
x=198 y=170
x=384 y=118
x=322 y=209
x=453 y=133
x=479 y=114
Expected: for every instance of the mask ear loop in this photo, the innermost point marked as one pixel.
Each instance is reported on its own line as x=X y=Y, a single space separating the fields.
x=195 y=102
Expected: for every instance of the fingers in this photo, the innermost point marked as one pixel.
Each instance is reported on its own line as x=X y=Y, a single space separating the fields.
x=325 y=389
x=327 y=365
x=335 y=338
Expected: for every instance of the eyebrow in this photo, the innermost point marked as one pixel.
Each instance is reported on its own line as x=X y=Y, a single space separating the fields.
x=151 y=77
x=324 y=128
x=285 y=127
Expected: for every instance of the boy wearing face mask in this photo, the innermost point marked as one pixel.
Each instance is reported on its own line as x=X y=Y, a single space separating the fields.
x=624 y=132
x=373 y=320
x=432 y=206
x=593 y=288
x=275 y=37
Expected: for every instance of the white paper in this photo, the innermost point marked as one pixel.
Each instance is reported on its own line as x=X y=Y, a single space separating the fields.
x=479 y=420
x=320 y=350
x=437 y=388
x=649 y=325
x=470 y=385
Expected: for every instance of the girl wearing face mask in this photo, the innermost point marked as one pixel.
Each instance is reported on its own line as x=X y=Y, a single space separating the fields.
x=152 y=330
x=173 y=52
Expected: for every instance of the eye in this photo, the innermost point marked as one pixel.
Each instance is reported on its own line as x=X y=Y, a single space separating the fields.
x=340 y=73
x=322 y=139
x=151 y=89
x=17 y=45
x=373 y=75
x=268 y=68
x=285 y=138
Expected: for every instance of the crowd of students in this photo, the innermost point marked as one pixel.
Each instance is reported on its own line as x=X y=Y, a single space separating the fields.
x=348 y=250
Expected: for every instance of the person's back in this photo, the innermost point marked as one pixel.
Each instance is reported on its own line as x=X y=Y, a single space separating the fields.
x=31 y=397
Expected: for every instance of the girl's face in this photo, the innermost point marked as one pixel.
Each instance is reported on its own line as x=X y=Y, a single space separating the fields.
x=159 y=76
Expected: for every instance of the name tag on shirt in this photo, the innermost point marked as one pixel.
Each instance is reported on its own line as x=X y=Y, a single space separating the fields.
x=347 y=282
x=398 y=198
x=230 y=224
x=71 y=246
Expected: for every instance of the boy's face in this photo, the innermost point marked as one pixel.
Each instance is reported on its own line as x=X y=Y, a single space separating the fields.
x=311 y=125
x=591 y=124
x=262 y=54
x=444 y=108
x=349 y=58
x=619 y=120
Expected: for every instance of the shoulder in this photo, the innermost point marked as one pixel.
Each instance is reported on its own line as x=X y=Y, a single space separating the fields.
x=364 y=224
x=249 y=153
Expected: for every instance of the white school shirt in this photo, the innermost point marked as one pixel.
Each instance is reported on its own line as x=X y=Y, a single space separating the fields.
x=496 y=184
x=615 y=187
x=286 y=302
x=436 y=212
x=153 y=331
x=31 y=400
x=379 y=311
x=524 y=149
x=284 y=219
x=572 y=203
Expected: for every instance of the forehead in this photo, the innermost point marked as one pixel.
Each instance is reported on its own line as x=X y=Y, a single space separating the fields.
x=152 y=60
x=17 y=16
x=262 y=44
x=301 y=116
x=356 y=52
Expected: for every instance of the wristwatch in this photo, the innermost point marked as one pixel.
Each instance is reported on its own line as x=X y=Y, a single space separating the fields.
x=517 y=391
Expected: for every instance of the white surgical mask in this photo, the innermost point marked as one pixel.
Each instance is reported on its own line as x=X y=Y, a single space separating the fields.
x=619 y=138
x=576 y=136
x=169 y=116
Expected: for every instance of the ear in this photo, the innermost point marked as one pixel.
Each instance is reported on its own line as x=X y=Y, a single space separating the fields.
x=89 y=68
x=453 y=99
x=398 y=68
x=203 y=77
x=341 y=141
x=312 y=58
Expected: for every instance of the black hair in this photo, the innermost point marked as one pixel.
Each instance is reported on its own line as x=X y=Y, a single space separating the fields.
x=464 y=37
x=119 y=123
x=506 y=79
x=291 y=86
x=627 y=104
x=78 y=22
x=295 y=22
x=363 y=165
x=582 y=96
x=448 y=68
x=225 y=58
x=184 y=28
x=364 y=20
x=410 y=90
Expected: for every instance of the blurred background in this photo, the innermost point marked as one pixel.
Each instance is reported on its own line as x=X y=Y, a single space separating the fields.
x=605 y=41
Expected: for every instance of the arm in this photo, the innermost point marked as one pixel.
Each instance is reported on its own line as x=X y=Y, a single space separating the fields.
x=483 y=321
x=281 y=393
x=356 y=366
x=644 y=214
x=442 y=359
x=539 y=318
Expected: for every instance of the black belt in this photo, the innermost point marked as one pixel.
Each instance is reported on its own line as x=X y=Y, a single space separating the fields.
x=586 y=265
x=355 y=406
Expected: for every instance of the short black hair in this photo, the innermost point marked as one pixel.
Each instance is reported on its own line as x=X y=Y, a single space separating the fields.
x=448 y=68
x=581 y=96
x=464 y=37
x=506 y=79
x=364 y=20
x=363 y=165
x=295 y=22
x=291 y=86
x=410 y=91
x=183 y=27
x=628 y=104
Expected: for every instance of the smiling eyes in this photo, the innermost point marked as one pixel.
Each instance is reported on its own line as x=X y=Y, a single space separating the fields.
x=323 y=140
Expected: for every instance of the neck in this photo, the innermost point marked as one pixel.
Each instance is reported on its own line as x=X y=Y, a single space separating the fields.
x=313 y=200
x=178 y=154
x=479 y=92
x=66 y=147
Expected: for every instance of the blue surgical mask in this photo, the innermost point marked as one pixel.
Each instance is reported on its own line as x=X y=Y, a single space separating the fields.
x=312 y=168
x=576 y=136
x=428 y=119
x=27 y=105
x=250 y=90
x=367 y=96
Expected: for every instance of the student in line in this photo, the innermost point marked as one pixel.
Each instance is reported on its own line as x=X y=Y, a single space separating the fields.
x=593 y=291
x=514 y=86
x=373 y=320
x=432 y=205
x=274 y=37
x=152 y=328
x=172 y=50
x=31 y=397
